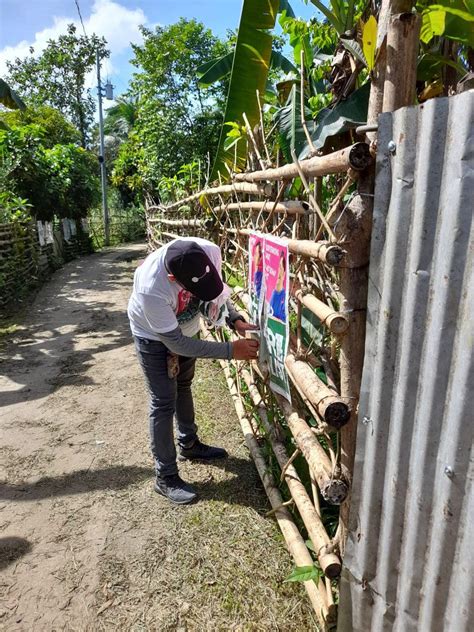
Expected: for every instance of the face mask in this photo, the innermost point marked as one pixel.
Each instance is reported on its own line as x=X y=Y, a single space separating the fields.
x=216 y=312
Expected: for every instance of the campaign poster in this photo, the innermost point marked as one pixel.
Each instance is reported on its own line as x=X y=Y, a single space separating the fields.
x=275 y=326
x=255 y=281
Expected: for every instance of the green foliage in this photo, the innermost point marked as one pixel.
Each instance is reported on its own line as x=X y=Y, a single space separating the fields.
x=121 y=118
x=128 y=168
x=60 y=180
x=74 y=179
x=451 y=18
x=57 y=77
x=220 y=68
x=305 y=574
x=176 y=122
x=55 y=128
x=13 y=208
x=339 y=14
x=249 y=74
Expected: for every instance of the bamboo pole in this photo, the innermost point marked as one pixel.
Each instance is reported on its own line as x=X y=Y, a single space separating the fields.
x=332 y=254
x=254 y=142
x=238 y=187
x=331 y=408
x=180 y=223
x=336 y=322
x=292 y=207
x=329 y=562
x=333 y=488
x=295 y=543
x=356 y=156
x=303 y=118
x=170 y=235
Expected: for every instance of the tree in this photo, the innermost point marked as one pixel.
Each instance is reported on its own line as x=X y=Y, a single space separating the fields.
x=57 y=77
x=120 y=119
x=54 y=180
x=176 y=121
x=57 y=130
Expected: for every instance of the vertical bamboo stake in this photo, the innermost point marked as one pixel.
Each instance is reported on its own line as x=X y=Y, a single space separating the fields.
x=264 y=142
x=303 y=119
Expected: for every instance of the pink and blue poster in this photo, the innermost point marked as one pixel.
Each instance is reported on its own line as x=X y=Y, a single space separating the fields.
x=275 y=326
x=255 y=281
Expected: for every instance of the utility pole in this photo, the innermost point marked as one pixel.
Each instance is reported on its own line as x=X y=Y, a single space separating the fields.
x=103 y=174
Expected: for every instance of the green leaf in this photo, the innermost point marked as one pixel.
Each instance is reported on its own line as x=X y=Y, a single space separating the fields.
x=249 y=75
x=310 y=545
x=279 y=61
x=432 y=23
x=290 y=129
x=344 y=116
x=464 y=15
x=369 y=41
x=332 y=18
x=219 y=68
x=304 y=574
x=9 y=97
x=214 y=70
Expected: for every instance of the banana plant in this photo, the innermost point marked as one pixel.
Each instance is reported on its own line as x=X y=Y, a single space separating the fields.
x=250 y=64
x=221 y=67
x=338 y=13
x=9 y=97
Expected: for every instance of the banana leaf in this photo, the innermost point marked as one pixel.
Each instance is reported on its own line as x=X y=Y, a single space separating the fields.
x=9 y=97
x=249 y=74
x=344 y=116
x=290 y=129
x=218 y=68
x=329 y=121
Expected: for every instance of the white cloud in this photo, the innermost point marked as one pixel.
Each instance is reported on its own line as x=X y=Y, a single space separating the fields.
x=108 y=18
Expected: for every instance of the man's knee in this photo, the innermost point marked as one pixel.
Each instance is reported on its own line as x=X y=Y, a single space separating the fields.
x=160 y=405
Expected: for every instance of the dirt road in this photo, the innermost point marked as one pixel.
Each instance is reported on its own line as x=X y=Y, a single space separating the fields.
x=85 y=543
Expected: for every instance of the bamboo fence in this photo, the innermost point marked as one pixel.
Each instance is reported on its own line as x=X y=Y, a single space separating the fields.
x=329 y=245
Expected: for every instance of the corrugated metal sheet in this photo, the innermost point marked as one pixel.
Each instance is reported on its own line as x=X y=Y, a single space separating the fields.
x=409 y=559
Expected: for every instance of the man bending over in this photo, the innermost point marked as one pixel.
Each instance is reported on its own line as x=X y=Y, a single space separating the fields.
x=171 y=289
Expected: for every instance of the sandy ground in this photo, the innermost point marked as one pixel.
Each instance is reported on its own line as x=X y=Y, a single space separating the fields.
x=85 y=542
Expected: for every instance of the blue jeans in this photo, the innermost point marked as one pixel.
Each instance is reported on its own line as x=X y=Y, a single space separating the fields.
x=169 y=397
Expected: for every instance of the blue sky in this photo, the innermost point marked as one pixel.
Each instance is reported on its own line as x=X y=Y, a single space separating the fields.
x=24 y=23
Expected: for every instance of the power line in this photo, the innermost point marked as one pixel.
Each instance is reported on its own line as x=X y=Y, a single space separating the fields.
x=80 y=16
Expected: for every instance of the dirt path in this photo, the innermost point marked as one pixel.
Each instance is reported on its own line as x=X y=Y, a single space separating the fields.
x=85 y=543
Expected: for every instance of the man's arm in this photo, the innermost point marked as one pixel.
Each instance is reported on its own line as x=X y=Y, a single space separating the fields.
x=182 y=345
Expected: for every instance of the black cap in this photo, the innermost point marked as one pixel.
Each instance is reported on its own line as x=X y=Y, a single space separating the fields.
x=193 y=269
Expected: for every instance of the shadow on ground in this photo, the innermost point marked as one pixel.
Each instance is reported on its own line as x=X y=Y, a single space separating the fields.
x=11 y=549
x=232 y=490
x=57 y=319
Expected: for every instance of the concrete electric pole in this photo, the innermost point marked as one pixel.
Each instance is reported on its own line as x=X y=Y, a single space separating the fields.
x=103 y=173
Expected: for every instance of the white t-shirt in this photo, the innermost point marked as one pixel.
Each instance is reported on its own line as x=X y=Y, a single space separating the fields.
x=158 y=305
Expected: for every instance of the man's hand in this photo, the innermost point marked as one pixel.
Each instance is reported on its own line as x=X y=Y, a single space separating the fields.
x=241 y=327
x=245 y=349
